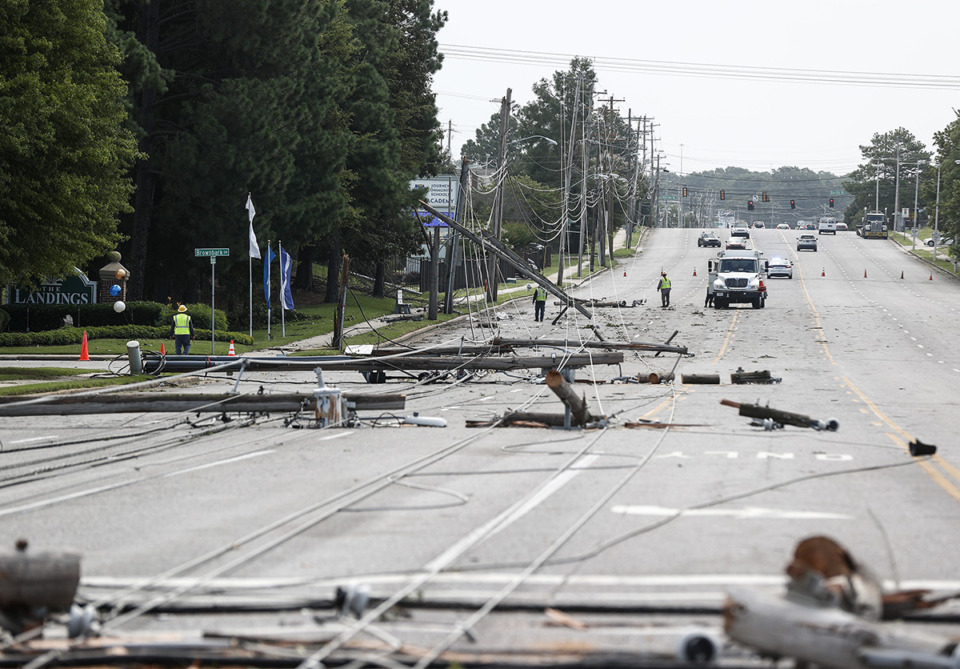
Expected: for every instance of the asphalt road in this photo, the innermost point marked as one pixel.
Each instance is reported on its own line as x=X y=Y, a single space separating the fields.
x=637 y=533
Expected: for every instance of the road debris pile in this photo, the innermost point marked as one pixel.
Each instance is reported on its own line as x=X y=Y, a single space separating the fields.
x=831 y=614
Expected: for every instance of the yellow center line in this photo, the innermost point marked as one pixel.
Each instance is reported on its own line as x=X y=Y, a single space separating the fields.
x=726 y=340
x=903 y=441
x=816 y=317
x=931 y=471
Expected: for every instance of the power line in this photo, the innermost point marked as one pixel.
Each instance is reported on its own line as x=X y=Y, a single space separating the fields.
x=674 y=68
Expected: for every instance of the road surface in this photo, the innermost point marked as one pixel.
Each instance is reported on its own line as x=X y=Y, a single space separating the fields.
x=501 y=544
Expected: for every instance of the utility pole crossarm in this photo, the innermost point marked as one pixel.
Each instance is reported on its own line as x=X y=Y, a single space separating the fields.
x=494 y=246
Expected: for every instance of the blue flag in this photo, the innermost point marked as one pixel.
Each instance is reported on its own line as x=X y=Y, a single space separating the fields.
x=271 y=256
x=286 y=271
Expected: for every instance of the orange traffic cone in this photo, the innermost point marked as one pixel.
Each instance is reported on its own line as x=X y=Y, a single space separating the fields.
x=864 y=274
x=823 y=272
x=84 y=352
x=232 y=351
x=163 y=351
x=694 y=271
x=931 y=276
x=901 y=274
x=624 y=272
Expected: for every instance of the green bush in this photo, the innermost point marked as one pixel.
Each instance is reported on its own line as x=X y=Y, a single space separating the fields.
x=4 y=320
x=199 y=313
x=36 y=317
x=239 y=318
x=68 y=336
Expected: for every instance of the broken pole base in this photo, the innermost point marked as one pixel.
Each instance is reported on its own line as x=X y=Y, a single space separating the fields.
x=700 y=379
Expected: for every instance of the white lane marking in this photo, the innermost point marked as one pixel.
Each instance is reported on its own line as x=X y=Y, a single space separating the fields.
x=748 y=512
x=255 y=454
x=27 y=441
x=511 y=515
x=93 y=491
x=337 y=435
x=484 y=399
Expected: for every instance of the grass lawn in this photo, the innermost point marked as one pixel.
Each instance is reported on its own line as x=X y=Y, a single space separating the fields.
x=66 y=384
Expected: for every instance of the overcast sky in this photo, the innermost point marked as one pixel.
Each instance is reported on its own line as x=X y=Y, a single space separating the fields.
x=704 y=120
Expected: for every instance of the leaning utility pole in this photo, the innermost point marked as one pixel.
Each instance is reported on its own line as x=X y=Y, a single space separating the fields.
x=453 y=254
x=496 y=216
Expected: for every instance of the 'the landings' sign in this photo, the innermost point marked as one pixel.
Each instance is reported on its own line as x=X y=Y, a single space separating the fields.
x=73 y=290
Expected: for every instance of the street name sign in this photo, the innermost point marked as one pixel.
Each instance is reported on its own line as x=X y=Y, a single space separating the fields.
x=206 y=253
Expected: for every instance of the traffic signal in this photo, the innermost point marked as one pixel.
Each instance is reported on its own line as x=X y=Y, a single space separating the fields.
x=750 y=205
x=684 y=191
x=723 y=195
x=831 y=203
x=766 y=198
x=793 y=204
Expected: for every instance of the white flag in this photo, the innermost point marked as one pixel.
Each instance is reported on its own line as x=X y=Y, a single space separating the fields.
x=254 y=247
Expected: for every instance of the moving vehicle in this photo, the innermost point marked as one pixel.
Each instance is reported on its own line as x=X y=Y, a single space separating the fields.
x=841 y=225
x=736 y=243
x=708 y=238
x=808 y=242
x=827 y=224
x=736 y=277
x=779 y=267
x=782 y=226
x=874 y=226
x=740 y=232
x=759 y=224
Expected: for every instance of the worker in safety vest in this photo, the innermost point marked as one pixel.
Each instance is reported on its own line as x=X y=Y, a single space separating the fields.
x=664 y=288
x=182 y=330
x=539 y=303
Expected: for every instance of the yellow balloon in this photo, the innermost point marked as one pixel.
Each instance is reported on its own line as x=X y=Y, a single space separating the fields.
x=121 y=273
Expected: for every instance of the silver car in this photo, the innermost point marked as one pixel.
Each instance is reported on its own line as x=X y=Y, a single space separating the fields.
x=807 y=242
x=779 y=267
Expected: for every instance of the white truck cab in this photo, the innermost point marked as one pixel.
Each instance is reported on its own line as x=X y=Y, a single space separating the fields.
x=736 y=277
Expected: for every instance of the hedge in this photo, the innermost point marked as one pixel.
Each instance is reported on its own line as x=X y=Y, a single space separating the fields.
x=42 y=317
x=68 y=336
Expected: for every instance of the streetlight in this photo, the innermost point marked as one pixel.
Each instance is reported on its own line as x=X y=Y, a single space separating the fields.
x=523 y=139
x=916 y=196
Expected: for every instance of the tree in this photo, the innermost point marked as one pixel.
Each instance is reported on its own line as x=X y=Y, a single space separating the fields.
x=64 y=148
x=252 y=106
x=879 y=170
x=947 y=142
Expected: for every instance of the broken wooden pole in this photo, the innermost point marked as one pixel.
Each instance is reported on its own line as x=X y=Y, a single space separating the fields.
x=579 y=412
x=522 y=418
x=782 y=417
x=65 y=405
x=675 y=333
x=660 y=377
x=695 y=379
x=604 y=344
x=763 y=376
x=33 y=584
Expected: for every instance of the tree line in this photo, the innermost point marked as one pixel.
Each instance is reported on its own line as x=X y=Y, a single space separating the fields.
x=142 y=125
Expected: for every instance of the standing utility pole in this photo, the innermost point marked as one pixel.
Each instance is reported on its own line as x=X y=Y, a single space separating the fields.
x=496 y=216
x=567 y=174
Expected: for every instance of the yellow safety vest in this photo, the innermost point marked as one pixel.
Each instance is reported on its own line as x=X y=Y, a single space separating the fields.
x=541 y=295
x=181 y=324
x=664 y=283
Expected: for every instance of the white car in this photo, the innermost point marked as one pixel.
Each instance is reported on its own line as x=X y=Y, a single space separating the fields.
x=779 y=267
x=740 y=232
x=782 y=226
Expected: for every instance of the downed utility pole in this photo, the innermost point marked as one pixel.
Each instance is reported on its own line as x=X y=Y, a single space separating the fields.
x=154 y=364
x=66 y=405
x=576 y=410
x=499 y=250
x=782 y=417
x=763 y=376
x=609 y=345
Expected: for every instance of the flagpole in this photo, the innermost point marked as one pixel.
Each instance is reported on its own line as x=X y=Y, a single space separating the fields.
x=268 y=290
x=250 y=277
x=283 y=291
